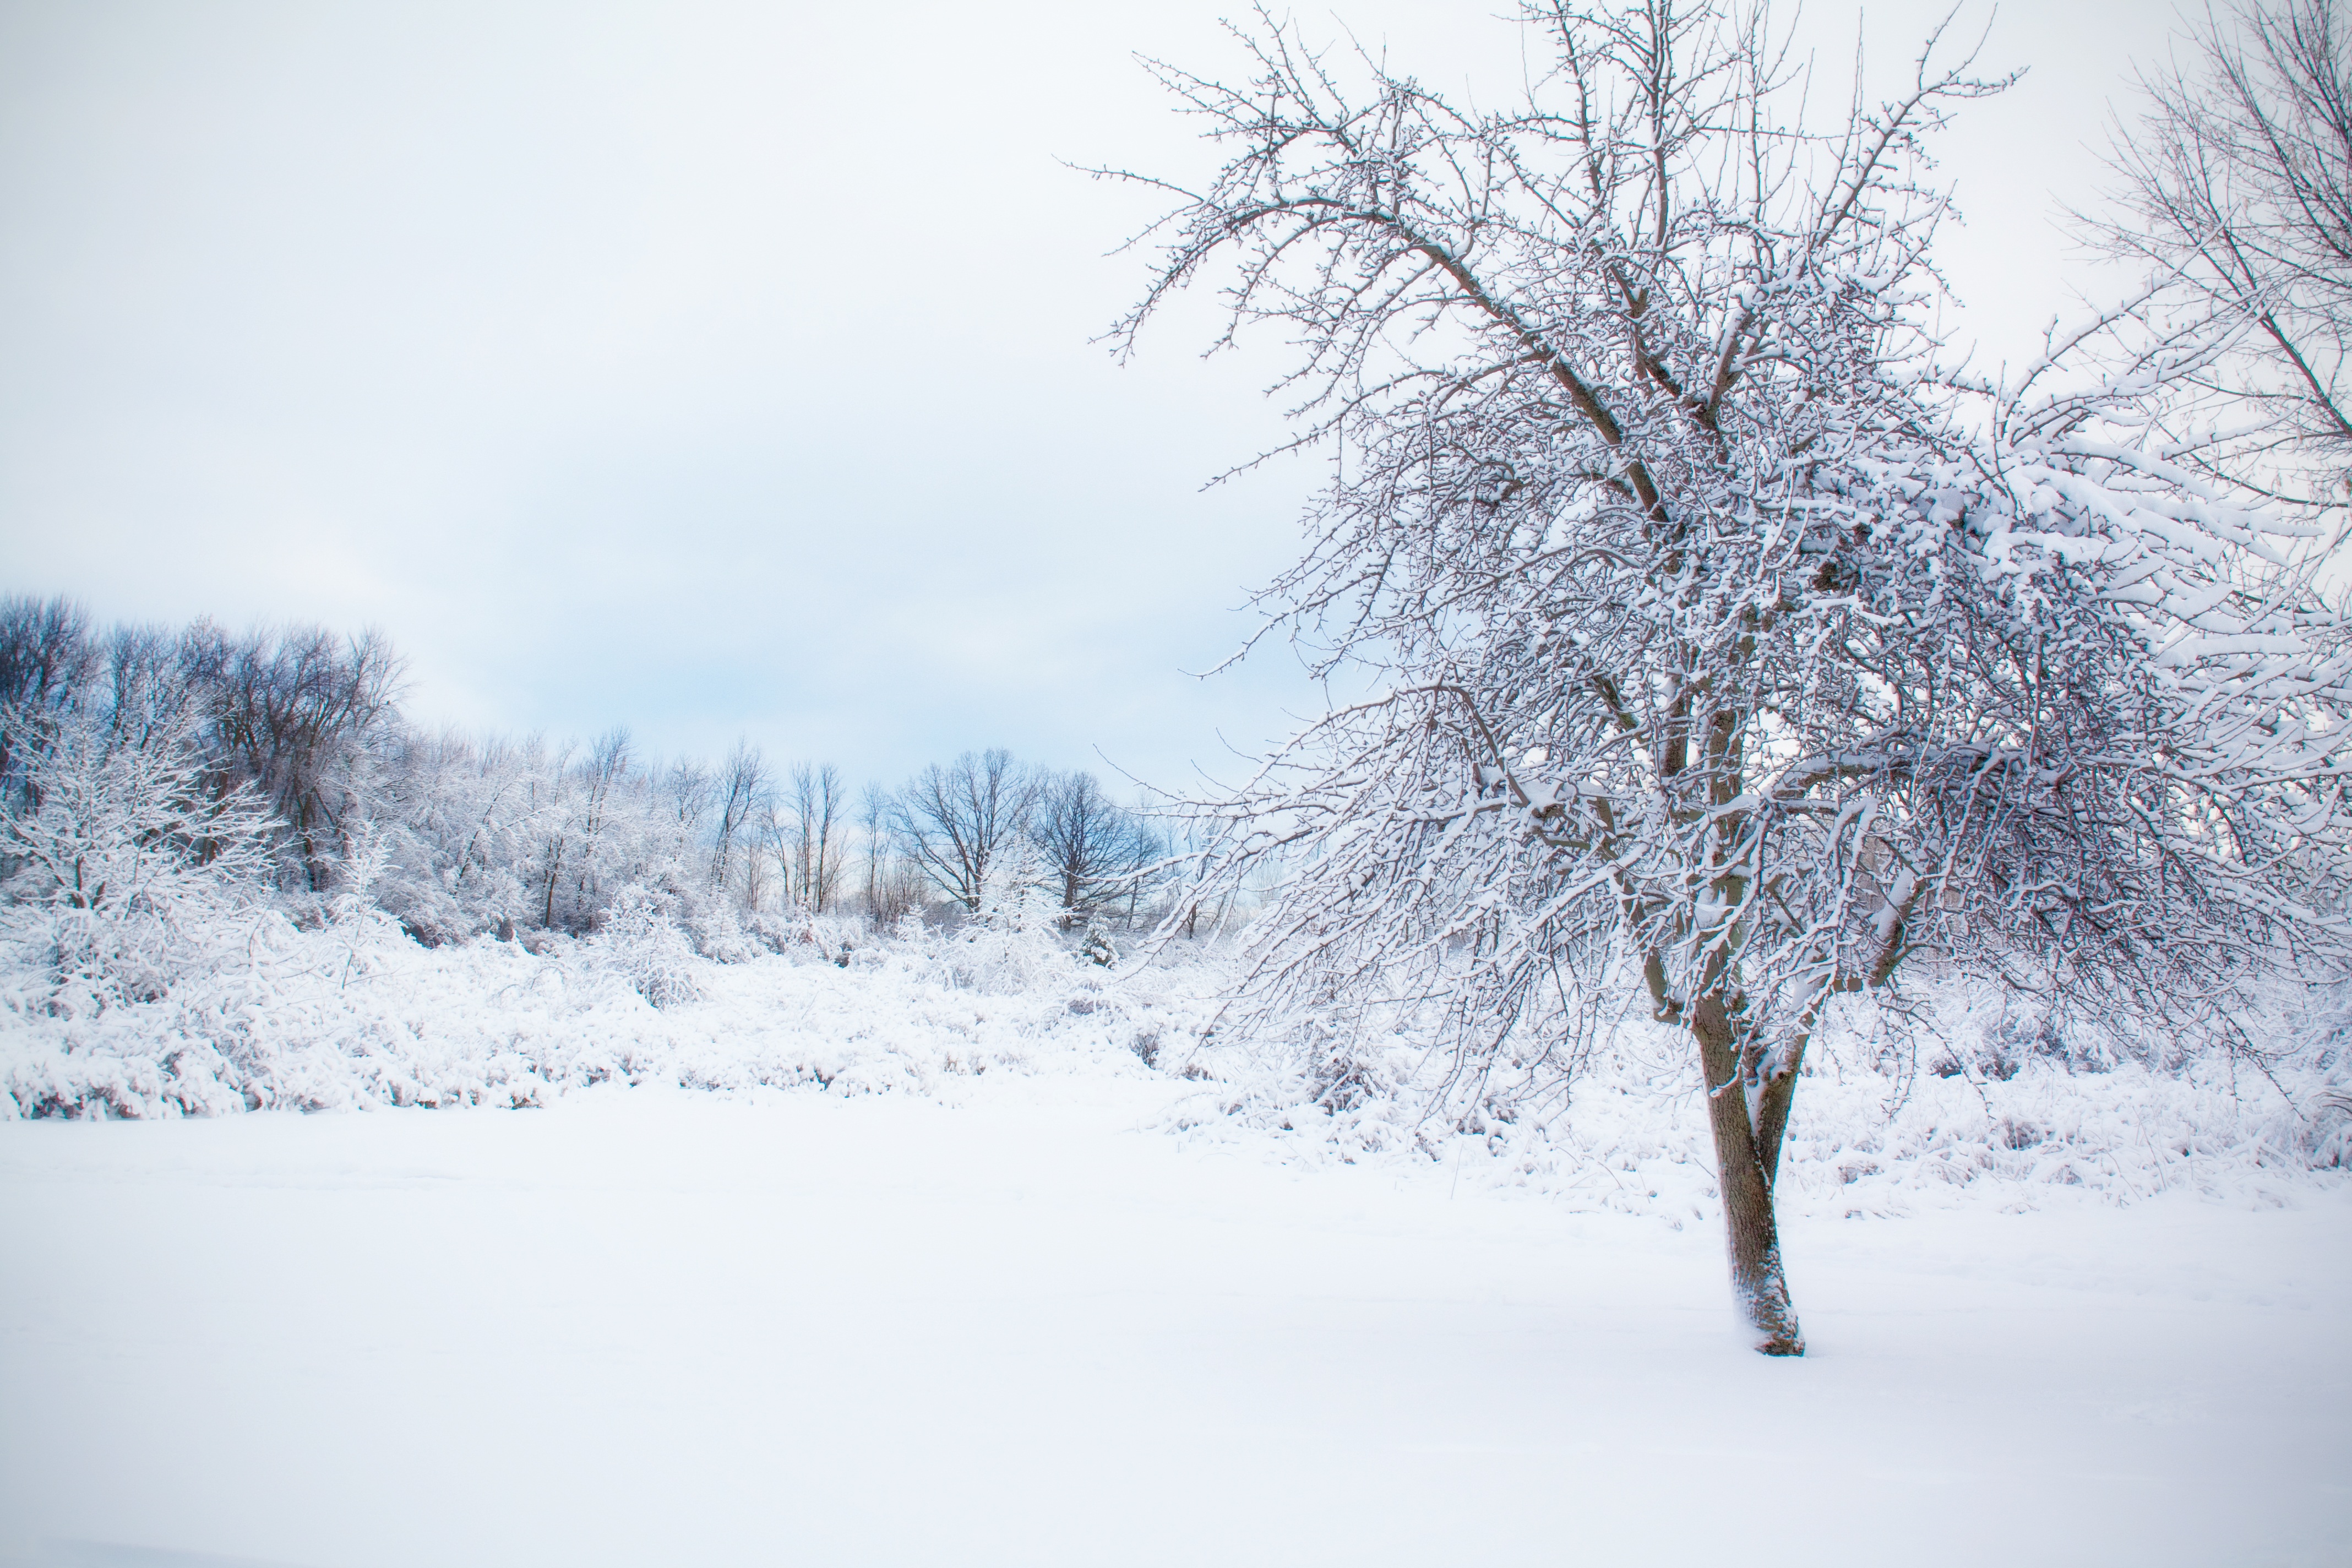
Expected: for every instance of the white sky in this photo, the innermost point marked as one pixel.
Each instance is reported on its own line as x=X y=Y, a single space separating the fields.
x=722 y=369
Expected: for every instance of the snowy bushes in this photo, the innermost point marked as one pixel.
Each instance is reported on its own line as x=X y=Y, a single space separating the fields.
x=1896 y=1111
x=342 y=1017
x=350 y=1013
x=642 y=942
x=131 y=867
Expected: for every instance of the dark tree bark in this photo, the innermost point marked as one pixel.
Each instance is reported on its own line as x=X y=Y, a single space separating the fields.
x=1747 y=1155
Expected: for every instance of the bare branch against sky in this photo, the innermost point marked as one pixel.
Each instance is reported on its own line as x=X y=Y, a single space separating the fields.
x=719 y=368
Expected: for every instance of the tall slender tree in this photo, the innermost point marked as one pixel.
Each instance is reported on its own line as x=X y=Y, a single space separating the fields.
x=741 y=786
x=815 y=824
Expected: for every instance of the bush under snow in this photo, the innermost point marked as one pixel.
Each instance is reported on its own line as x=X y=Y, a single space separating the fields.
x=1892 y=1113
x=145 y=971
x=351 y=1014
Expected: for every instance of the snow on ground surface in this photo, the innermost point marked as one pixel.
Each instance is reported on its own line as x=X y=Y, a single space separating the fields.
x=650 y=1326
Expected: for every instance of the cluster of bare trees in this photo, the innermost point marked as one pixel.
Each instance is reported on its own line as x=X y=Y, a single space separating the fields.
x=955 y=822
x=292 y=719
x=1735 y=655
x=298 y=732
x=455 y=834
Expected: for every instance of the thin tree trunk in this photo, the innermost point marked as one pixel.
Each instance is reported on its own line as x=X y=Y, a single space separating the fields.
x=1744 y=1174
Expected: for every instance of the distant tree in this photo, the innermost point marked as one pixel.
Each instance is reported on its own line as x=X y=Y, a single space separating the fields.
x=875 y=809
x=815 y=820
x=741 y=787
x=952 y=821
x=574 y=801
x=463 y=811
x=686 y=791
x=2235 y=193
x=296 y=714
x=124 y=843
x=1092 y=850
x=901 y=890
x=47 y=657
x=768 y=864
x=891 y=885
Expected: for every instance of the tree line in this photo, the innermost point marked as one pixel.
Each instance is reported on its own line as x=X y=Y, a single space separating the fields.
x=457 y=834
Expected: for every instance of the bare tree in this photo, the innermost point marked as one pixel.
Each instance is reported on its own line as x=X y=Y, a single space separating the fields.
x=1727 y=656
x=1094 y=849
x=582 y=804
x=770 y=849
x=2236 y=194
x=47 y=657
x=952 y=821
x=742 y=784
x=815 y=823
x=295 y=713
x=892 y=885
x=875 y=809
x=688 y=788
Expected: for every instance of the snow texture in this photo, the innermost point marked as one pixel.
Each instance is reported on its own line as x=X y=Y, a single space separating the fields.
x=646 y=1326
x=955 y=1247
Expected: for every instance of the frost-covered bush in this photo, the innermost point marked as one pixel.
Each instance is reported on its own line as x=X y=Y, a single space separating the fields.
x=1959 y=1092
x=132 y=866
x=351 y=1014
x=1011 y=944
x=838 y=940
x=642 y=941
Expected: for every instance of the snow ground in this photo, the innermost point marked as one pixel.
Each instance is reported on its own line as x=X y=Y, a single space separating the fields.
x=651 y=1326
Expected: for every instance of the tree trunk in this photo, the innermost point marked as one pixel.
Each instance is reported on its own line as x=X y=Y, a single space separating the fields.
x=1745 y=1171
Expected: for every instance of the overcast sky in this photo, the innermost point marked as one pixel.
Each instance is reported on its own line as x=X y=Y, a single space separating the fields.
x=721 y=369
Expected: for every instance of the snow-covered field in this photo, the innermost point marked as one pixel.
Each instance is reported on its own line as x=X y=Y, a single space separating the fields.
x=654 y=1326
x=967 y=1253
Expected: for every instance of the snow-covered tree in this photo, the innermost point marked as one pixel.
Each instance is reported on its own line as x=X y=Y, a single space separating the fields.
x=1009 y=943
x=460 y=817
x=1721 y=651
x=47 y=657
x=127 y=853
x=741 y=794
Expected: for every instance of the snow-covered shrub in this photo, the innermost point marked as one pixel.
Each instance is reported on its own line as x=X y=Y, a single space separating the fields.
x=353 y=1013
x=837 y=940
x=1010 y=943
x=715 y=926
x=642 y=941
x=1898 y=1109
